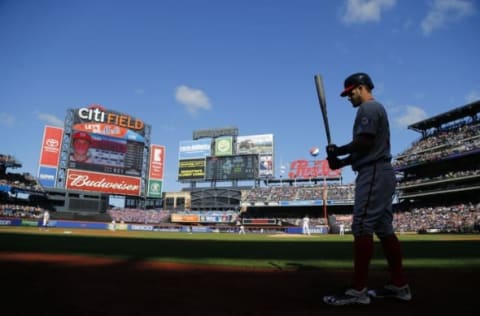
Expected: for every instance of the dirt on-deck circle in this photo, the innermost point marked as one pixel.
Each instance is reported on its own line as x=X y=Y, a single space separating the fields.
x=53 y=284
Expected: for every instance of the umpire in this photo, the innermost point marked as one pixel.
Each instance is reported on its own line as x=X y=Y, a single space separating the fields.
x=369 y=155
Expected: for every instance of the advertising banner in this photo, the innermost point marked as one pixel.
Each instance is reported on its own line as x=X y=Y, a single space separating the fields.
x=51 y=146
x=255 y=144
x=304 y=169
x=184 y=218
x=154 y=188
x=100 y=182
x=265 y=169
x=195 y=149
x=157 y=161
x=47 y=176
x=224 y=146
x=109 y=130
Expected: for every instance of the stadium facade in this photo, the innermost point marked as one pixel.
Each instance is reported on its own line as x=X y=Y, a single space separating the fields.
x=227 y=172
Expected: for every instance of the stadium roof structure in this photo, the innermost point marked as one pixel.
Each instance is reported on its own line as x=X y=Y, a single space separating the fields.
x=215 y=132
x=9 y=161
x=470 y=109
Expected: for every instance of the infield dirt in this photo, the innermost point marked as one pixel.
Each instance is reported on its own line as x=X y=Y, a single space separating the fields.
x=45 y=284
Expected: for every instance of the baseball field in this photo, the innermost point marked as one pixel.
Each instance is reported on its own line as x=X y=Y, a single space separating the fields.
x=99 y=272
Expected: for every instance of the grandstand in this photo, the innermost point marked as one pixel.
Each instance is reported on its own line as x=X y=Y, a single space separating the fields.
x=442 y=166
x=20 y=193
x=8 y=161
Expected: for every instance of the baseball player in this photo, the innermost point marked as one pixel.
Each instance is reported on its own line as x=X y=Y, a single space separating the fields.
x=341 y=229
x=369 y=155
x=306 y=225
x=242 y=230
x=45 y=219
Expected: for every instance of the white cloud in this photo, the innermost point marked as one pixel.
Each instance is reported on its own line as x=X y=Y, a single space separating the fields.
x=6 y=120
x=443 y=12
x=409 y=115
x=473 y=96
x=361 y=11
x=50 y=119
x=193 y=99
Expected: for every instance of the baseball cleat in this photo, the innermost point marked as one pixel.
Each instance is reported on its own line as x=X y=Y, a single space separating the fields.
x=391 y=291
x=351 y=296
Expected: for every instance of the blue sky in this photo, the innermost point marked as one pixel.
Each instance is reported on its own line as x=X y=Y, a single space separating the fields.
x=183 y=65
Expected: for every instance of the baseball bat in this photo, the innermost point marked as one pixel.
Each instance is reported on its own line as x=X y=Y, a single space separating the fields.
x=323 y=105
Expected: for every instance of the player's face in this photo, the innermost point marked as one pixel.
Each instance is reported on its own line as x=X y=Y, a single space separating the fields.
x=354 y=96
x=81 y=146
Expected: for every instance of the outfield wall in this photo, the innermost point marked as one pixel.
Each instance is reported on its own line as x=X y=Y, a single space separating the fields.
x=5 y=221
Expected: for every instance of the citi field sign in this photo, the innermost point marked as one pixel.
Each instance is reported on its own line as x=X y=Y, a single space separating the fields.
x=98 y=120
x=97 y=113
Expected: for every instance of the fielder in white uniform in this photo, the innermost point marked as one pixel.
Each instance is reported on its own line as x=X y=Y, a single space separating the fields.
x=46 y=219
x=306 y=226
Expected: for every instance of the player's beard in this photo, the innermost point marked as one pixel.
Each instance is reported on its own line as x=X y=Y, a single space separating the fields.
x=355 y=100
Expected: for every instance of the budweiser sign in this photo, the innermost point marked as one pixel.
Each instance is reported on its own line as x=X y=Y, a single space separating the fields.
x=100 y=182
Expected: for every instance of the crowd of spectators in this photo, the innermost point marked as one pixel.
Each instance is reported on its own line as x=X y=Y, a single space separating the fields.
x=18 y=180
x=134 y=215
x=338 y=192
x=460 y=218
x=15 y=191
x=296 y=221
x=442 y=143
x=443 y=177
x=8 y=161
x=21 y=181
x=161 y=216
x=22 y=211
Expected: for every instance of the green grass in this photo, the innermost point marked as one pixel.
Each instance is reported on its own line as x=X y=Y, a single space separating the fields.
x=251 y=250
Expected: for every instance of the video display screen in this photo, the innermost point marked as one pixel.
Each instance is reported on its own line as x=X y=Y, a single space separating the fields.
x=191 y=169
x=102 y=153
x=242 y=167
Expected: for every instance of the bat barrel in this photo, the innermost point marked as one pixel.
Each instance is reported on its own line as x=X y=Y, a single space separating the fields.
x=323 y=105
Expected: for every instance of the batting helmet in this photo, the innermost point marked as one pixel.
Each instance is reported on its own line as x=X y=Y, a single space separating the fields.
x=82 y=135
x=354 y=81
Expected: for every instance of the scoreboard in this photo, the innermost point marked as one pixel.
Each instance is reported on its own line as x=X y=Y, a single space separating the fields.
x=222 y=155
x=240 y=167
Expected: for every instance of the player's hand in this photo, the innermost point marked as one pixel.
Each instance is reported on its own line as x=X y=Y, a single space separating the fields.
x=332 y=150
x=334 y=163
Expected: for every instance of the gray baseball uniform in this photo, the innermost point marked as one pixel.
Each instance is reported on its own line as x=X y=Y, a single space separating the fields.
x=375 y=181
